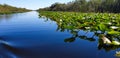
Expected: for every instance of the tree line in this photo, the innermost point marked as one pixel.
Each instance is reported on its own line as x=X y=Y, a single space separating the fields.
x=112 y=6
x=6 y=9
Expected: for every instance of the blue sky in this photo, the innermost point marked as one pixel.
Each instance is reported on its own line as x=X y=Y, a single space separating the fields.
x=32 y=4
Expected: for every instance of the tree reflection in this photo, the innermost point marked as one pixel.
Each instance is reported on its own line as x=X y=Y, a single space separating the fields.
x=6 y=17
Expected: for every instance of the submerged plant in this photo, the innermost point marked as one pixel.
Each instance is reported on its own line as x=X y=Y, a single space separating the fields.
x=117 y=54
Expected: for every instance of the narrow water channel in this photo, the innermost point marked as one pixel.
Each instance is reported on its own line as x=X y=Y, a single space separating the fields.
x=26 y=35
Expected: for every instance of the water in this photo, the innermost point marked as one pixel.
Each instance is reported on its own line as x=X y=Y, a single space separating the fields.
x=25 y=35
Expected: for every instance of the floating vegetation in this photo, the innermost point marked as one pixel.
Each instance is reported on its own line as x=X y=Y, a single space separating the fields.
x=92 y=21
x=104 y=26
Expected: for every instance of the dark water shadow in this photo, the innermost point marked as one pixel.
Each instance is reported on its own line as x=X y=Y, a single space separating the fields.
x=9 y=50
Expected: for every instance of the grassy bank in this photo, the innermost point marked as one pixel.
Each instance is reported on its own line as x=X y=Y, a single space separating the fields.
x=7 y=9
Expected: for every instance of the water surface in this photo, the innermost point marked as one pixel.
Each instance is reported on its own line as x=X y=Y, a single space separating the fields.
x=25 y=35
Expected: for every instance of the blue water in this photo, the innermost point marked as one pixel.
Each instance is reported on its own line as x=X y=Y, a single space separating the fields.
x=25 y=35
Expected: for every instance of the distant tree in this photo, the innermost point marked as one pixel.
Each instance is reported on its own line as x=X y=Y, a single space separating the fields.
x=87 y=6
x=57 y=7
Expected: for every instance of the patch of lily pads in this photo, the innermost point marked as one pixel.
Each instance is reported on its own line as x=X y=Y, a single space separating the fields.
x=106 y=26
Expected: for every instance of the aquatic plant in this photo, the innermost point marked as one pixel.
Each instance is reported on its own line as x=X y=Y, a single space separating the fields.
x=106 y=24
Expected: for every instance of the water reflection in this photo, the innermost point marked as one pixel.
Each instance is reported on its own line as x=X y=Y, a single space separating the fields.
x=90 y=36
x=6 y=16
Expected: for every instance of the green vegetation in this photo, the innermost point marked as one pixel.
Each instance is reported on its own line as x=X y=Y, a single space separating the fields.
x=6 y=9
x=87 y=6
x=94 y=21
x=105 y=24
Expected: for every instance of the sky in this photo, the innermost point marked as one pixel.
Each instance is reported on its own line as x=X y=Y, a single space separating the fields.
x=32 y=4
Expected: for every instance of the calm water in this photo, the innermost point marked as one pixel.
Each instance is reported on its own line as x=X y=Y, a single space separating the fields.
x=25 y=35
